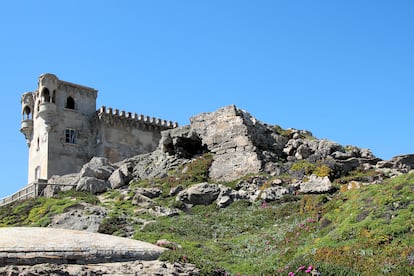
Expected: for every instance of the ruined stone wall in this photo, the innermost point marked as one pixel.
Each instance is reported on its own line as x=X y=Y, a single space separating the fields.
x=226 y=135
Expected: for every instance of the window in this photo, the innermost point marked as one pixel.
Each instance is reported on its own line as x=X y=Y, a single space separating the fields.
x=45 y=95
x=70 y=103
x=70 y=136
x=37 y=173
x=27 y=113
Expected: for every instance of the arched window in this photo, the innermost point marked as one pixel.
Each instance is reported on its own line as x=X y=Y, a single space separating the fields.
x=45 y=95
x=27 y=113
x=70 y=103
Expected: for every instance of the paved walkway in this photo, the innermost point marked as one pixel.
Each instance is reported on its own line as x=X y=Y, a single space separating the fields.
x=31 y=245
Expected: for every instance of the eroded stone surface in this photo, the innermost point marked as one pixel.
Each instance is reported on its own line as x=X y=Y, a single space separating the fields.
x=32 y=245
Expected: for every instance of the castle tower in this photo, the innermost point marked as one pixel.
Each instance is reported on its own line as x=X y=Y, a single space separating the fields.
x=64 y=130
x=56 y=125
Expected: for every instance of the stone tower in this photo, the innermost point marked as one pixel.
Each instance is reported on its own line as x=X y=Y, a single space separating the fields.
x=64 y=130
x=56 y=125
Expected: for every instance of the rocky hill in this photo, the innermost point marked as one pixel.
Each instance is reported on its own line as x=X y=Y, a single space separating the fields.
x=231 y=194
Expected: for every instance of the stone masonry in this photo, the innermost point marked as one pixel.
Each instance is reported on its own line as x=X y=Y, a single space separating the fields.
x=64 y=130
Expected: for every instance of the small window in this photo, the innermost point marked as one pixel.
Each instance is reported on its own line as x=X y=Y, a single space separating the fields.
x=37 y=173
x=38 y=144
x=70 y=103
x=70 y=136
x=54 y=96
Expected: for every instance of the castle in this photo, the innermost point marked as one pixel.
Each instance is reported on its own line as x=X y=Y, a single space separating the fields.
x=64 y=130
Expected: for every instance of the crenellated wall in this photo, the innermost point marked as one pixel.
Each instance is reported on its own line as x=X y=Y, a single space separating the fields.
x=121 y=134
x=113 y=116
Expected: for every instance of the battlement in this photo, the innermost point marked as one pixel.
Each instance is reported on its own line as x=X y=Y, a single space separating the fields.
x=128 y=119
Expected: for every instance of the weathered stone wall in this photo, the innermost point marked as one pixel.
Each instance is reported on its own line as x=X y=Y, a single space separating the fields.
x=226 y=135
x=121 y=135
x=237 y=140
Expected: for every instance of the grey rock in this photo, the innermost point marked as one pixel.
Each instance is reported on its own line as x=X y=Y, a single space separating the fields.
x=60 y=183
x=68 y=179
x=82 y=216
x=98 y=167
x=115 y=268
x=156 y=164
x=273 y=193
x=121 y=176
x=175 y=190
x=60 y=245
x=236 y=139
x=92 y=185
x=168 y=244
x=348 y=165
x=199 y=194
x=226 y=196
x=316 y=184
x=149 y=192
x=160 y=211
x=402 y=163
x=142 y=201
x=303 y=152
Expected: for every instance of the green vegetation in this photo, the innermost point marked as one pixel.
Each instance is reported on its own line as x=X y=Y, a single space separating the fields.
x=365 y=231
x=307 y=168
x=37 y=212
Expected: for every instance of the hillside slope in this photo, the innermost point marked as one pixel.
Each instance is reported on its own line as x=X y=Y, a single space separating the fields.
x=235 y=196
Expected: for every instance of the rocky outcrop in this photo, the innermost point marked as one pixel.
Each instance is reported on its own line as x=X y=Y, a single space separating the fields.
x=238 y=141
x=199 y=194
x=402 y=163
x=241 y=145
x=149 y=268
x=82 y=216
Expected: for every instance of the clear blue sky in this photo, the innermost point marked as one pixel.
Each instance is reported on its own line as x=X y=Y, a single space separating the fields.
x=342 y=69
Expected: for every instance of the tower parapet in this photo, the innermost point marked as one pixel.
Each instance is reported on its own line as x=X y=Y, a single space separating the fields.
x=112 y=116
x=46 y=96
x=26 y=126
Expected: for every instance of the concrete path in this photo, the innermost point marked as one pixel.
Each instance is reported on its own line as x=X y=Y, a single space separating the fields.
x=34 y=245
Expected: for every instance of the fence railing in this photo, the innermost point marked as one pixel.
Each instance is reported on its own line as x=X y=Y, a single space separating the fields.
x=32 y=190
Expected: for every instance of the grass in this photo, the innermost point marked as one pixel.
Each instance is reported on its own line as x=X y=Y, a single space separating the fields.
x=38 y=212
x=362 y=231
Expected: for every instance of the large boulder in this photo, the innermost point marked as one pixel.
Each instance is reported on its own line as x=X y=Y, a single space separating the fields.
x=60 y=183
x=199 y=194
x=315 y=184
x=121 y=176
x=98 y=167
x=92 y=185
